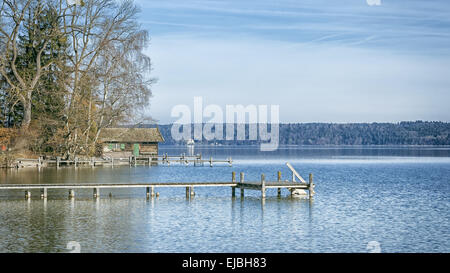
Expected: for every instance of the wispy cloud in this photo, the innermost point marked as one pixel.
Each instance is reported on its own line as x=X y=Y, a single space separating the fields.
x=336 y=60
x=394 y=24
x=310 y=83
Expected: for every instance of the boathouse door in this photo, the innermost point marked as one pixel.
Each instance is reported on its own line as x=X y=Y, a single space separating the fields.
x=136 y=149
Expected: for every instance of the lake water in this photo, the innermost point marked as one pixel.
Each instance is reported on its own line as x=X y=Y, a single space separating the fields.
x=394 y=197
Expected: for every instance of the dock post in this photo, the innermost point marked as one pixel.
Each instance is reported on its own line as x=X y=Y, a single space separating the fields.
x=233 y=189
x=44 y=193
x=58 y=159
x=311 y=186
x=92 y=162
x=27 y=195
x=76 y=162
x=263 y=186
x=230 y=162
x=39 y=162
x=148 y=192
x=187 y=192
x=192 y=191
x=129 y=161
x=279 y=180
x=96 y=192
x=210 y=161
x=242 y=181
x=112 y=161
x=71 y=193
x=152 y=191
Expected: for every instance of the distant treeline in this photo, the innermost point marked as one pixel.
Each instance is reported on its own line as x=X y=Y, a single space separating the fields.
x=403 y=133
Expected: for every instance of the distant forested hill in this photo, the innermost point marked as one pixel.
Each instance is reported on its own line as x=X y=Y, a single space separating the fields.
x=403 y=133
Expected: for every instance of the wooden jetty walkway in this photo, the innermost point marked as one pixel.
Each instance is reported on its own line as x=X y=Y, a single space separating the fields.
x=295 y=187
x=149 y=160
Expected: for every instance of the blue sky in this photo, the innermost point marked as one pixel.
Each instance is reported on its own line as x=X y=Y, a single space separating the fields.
x=321 y=61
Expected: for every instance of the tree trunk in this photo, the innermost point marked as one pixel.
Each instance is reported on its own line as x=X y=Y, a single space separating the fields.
x=26 y=112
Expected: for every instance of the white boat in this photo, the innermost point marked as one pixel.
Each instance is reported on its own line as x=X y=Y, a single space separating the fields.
x=190 y=142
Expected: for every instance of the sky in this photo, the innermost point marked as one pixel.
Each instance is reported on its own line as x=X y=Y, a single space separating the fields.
x=320 y=61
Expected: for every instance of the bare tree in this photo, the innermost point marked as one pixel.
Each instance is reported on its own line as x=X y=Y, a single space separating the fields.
x=109 y=78
x=22 y=82
x=103 y=73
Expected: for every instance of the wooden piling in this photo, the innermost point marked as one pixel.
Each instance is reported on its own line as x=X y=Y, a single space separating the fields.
x=76 y=162
x=44 y=193
x=27 y=195
x=187 y=192
x=192 y=191
x=96 y=192
x=58 y=159
x=233 y=189
x=148 y=192
x=263 y=186
x=241 y=179
x=279 y=180
x=311 y=186
x=210 y=161
x=71 y=193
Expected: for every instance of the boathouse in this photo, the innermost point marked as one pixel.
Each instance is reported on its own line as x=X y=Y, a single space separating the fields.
x=126 y=142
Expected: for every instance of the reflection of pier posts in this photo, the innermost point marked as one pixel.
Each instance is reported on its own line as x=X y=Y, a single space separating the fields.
x=233 y=189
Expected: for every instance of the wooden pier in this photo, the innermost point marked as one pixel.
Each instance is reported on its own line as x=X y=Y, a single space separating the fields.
x=149 y=160
x=150 y=187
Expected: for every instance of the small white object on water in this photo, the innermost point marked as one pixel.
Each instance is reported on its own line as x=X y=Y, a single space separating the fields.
x=298 y=193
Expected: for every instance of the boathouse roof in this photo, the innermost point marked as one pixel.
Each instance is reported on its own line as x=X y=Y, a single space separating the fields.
x=131 y=135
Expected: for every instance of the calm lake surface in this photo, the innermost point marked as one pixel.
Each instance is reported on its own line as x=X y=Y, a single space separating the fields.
x=398 y=197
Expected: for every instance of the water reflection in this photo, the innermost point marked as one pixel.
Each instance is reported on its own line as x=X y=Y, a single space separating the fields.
x=354 y=203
